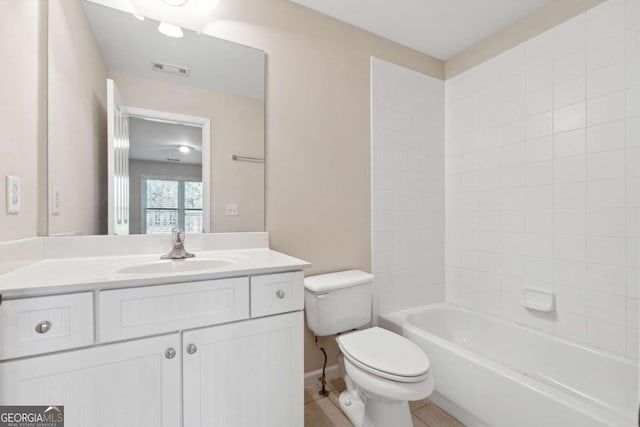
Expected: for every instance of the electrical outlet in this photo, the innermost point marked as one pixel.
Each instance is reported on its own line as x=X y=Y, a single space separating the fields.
x=56 y=200
x=13 y=195
x=231 y=209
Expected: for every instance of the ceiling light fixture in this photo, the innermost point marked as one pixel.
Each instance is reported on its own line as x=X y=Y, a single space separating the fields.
x=184 y=149
x=175 y=3
x=170 y=30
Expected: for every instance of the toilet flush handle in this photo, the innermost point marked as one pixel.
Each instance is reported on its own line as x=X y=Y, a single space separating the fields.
x=280 y=294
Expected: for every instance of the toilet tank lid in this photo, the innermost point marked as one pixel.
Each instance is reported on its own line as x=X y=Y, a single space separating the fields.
x=332 y=281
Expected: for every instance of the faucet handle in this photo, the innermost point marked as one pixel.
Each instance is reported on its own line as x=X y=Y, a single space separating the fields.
x=178 y=235
x=178 y=251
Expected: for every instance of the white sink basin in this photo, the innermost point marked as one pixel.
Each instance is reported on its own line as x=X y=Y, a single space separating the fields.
x=176 y=266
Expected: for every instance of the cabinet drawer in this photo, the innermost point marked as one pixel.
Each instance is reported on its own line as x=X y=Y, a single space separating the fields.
x=136 y=312
x=277 y=293
x=45 y=324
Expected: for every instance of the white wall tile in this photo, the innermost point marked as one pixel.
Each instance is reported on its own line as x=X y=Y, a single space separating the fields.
x=606 y=193
x=607 y=278
x=606 y=222
x=407 y=187
x=605 y=80
x=606 y=165
x=569 y=169
x=540 y=173
x=569 y=273
x=569 y=118
x=539 y=149
x=570 y=143
x=570 y=196
x=569 y=67
x=539 y=125
x=543 y=179
x=538 y=221
x=569 y=247
x=570 y=91
x=605 y=109
x=606 y=250
x=539 y=100
x=539 y=197
x=605 y=137
x=569 y=221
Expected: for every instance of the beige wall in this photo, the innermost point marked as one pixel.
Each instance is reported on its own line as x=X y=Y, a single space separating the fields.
x=77 y=121
x=548 y=16
x=318 y=131
x=237 y=126
x=22 y=116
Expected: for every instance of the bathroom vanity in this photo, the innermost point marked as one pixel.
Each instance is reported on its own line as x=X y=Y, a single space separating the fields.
x=129 y=340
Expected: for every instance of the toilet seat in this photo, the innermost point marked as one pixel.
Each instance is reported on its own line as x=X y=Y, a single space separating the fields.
x=385 y=354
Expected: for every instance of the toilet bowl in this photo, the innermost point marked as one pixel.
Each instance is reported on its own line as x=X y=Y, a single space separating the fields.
x=383 y=372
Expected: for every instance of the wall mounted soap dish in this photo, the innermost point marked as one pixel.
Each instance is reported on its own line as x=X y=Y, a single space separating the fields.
x=538 y=300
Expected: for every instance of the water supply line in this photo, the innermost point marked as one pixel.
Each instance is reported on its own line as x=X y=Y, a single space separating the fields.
x=323 y=377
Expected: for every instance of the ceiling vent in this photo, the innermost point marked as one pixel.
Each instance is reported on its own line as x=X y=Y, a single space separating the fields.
x=170 y=69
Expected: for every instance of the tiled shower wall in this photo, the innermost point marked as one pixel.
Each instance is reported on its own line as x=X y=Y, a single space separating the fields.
x=543 y=179
x=408 y=187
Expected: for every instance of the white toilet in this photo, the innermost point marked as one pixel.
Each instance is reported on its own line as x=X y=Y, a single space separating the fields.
x=384 y=370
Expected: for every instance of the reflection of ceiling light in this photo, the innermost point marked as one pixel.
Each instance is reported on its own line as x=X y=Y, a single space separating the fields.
x=208 y=5
x=184 y=149
x=175 y=3
x=170 y=30
x=139 y=17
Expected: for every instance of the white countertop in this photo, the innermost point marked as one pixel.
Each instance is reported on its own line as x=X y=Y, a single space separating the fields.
x=74 y=274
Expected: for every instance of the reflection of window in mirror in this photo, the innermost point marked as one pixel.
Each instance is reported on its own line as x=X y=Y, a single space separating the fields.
x=166 y=181
x=171 y=203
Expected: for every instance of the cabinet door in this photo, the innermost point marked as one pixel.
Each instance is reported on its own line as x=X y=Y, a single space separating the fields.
x=131 y=384
x=245 y=374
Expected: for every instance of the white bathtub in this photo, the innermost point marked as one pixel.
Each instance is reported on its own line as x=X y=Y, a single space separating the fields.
x=489 y=372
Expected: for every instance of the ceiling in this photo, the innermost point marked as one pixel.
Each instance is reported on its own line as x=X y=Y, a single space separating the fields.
x=158 y=141
x=214 y=63
x=440 y=28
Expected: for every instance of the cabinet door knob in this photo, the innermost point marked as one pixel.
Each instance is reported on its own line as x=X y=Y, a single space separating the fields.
x=170 y=353
x=280 y=294
x=191 y=348
x=43 y=327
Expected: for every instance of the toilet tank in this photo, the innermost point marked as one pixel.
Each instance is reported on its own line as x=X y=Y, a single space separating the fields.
x=338 y=302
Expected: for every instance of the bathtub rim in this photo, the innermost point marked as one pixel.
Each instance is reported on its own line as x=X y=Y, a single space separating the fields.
x=399 y=322
x=404 y=315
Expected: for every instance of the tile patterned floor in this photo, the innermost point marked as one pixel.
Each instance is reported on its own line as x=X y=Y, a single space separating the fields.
x=325 y=411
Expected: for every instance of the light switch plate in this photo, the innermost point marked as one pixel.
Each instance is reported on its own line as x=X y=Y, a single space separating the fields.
x=231 y=209
x=56 y=200
x=13 y=194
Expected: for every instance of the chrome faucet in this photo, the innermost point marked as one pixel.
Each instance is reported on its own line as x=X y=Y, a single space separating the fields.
x=178 y=251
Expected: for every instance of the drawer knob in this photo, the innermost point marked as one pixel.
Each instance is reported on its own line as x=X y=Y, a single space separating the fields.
x=191 y=348
x=170 y=353
x=280 y=294
x=43 y=327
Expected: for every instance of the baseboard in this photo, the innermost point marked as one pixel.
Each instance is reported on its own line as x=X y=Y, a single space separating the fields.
x=311 y=378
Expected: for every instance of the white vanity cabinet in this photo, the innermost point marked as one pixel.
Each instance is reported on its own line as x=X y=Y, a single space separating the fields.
x=245 y=374
x=129 y=384
x=185 y=354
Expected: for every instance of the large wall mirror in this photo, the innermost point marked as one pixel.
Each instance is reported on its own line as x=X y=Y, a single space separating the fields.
x=151 y=126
